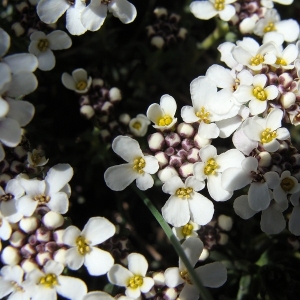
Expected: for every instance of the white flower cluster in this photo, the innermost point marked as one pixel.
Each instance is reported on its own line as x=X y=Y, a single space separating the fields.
x=81 y=17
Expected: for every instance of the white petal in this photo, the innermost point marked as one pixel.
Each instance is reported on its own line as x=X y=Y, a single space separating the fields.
x=235 y=179
x=59 y=40
x=259 y=196
x=221 y=76
x=243 y=143
x=33 y=187
x=137 y=264
x=242 y=208
x=46 y=60
x=282 y=134
x=212 y=275
x=119 y=177
x=50 y=11
x=176 y=211
x=126 y=147
x=68 y=81
x=294 y=224
x=133 y=293
x=10 y=212
x=257 y=107
x=74 y=259
x=272 y=221
x=203 y=10
x=172 y=277
x=144 y=182
x=272 y=146
x=172 y=184
x=192 y=248
x=207 y=153
x=274 y=119
x=22 y=83
x=98 y=262
x=215 y=189
x=23 y=62
x=71 y=287
x=230 y=158
x=5 y=42
x=73 y=21
x=147 y=284
x=97 y=295
x=97 y=230
x=92 y=17
x=154 y=112
x=198 y=171
x=252 y=129
x=272 y=179
x=228 y=126
x=188 y=114
x=227 y=13
x=196 y=184
x=5 y=74
x=70 y=235
x=119 y=275
x=208 y=131
x=59 y=202
x=123 y=10
x=21 y=111
x=152 y=165
x=10 y=132
x=168 y=105
x=26 y=206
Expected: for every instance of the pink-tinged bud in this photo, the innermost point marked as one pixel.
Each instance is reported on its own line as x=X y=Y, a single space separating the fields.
x=182 y=153
x=43 y=257
x=186 y=169
x=172 y=139
x=16 y=167
x=156 y=141
x=106 y=107
x=272 y=78
x=124 y=119
x=225 y=222
x=60 y=256
x=193 y=155
x=51 y=247
x=10 y=256
x=17 y=239
x=28 y=251
x=185 y=130
x=200 y=142
x=170 y=151
x=97 y=83
x=223 y=238
x=43 y=235
x=187 y=144
x=53 y=220
x=84 y=100
x=285 y=80
x=288 y=99
x=264 y=159
x=58 y=236
x=175 y=161
x=115 y=95
x=166 y=173
x=28 y=265
x=29 y=224
x=87 y=111
x=162 y=158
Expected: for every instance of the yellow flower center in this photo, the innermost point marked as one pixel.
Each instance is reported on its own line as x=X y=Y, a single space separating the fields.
x=135 y=282
x=81 y=85
x=42 y=199
x=139 y=164
x=219 y=5
x=269 y=27
x=83 y=246
x=257 y=60
x=267 y=136
x=105 y=1
x=287 y=184
x=203 y=115
x=185 y=276
x=43 y=45
x=259 y=93
x=49 y=281
x=187 y=229
x=184 y=193
x=210 y=168
x=280 y=61
x=137 y=125
x=164 y=121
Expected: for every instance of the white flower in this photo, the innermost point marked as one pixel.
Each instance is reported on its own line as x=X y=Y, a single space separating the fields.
x=36 y=158
x=78 y=82
x=211 y=168
x=50 y=11
x=226 y=56
x=49 y=282
x=209 y=106
x=83 y=250
x=134 y=278
x=270 y=4
x=211 y=275
x=257 y=92
x=185 y=203
x=266 y=131
x=249 y=53
x=139 y=125
x=93 y=16
x=12 y=284
x=162 y=115
x=186 y=231
x=138 y=166
x=208 y=9
x=98 y=295
x=53 y=192
x=42 y=44
x=271 y=22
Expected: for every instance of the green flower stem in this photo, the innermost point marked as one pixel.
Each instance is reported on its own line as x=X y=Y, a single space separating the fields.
x=204 y=293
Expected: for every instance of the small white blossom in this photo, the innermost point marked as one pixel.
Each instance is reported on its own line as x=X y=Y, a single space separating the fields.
x=78 y=82
x=185 y=203
x=139 y=125
x=83 y=250
x=186 y=231
x=138 y=166
x=134 y=278
x=36 y=158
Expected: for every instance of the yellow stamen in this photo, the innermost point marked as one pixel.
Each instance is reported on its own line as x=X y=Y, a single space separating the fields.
x=280 y=61
x=83 y=246
x=210 y=168
x=187 y=229
x=184 y=193
x=186 y=277
x=219 y=5
x=42 y=199
x=43 y=45
x=257 y=60
x=81 y=85
x=287 y=184
x=259 y=93
x=135 y=282
x=267 y=136
x=164 y=121
x=139 y=164
x=137 y=125
x=203 y=115
x=49 y=281
x=269 y=27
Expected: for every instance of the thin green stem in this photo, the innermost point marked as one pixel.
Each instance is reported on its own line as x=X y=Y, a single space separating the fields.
x=204 y=293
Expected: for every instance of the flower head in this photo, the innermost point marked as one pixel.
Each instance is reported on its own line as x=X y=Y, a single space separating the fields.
x=78 y=82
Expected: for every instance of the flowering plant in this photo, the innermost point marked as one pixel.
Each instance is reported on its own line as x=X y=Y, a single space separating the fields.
x=175 y=174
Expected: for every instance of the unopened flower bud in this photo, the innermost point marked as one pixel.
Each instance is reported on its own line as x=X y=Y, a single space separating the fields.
x=106 y=107
x=28 y=265
x=185 y=130
x=29 y=224
x=159 y=278
x=53 y=220
x=225 y=222
x=84 y=100
x=87 y=111
x=162 y=158
x=175 y=161
x=288 y=99
x=182 y=153
x=156 y=141
x=223 y=238
x=172 y=139
x=186 y=169
x=97 y=83
x=58 y=236
x=160 y=12
x=17 y=239
x=272 y=78
x=264 y=159
x=60 y=256
x=20 y=152
x=182 y=33
x=28 y=251
x=200 y=142
x=43 y=257
x=170 y=293
x=115 y=95
x=43 y=234
x=187 y=144
x=10 y=256
x=170 y=151
x=193 y=155
x=105 y=134
x=157 y=41
x=16 y=167
x=166 y=173
x=124 y=119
